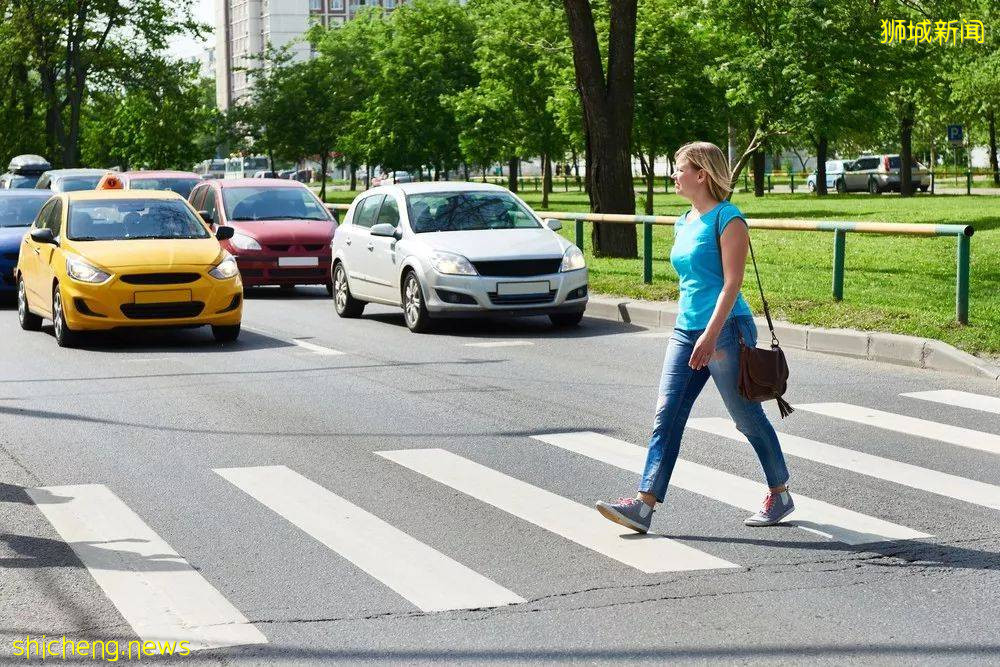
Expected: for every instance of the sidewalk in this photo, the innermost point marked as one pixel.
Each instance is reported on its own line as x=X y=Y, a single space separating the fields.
x=876 y=346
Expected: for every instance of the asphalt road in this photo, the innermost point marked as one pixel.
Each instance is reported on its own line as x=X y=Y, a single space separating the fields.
x=335 y=490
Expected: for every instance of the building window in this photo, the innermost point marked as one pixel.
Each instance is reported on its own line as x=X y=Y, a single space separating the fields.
x=389 y=4
x=336 y=5
x=316 y=5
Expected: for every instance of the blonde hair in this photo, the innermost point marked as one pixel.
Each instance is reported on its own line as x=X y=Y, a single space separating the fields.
x=708 y=157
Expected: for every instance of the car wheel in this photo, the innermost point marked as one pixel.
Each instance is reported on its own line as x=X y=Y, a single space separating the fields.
x=924 y=188
x=565 y=320
x=812 y=186
x=65 y=336
x=29 y=321
x=414 y=308
x=873 y=187
x=226 y=334
x=345 y=304
x=841 y=186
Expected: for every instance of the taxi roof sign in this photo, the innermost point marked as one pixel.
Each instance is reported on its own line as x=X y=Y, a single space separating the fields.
x=110 y=182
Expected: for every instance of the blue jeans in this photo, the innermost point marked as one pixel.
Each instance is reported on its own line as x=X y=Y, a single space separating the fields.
x=680 y=386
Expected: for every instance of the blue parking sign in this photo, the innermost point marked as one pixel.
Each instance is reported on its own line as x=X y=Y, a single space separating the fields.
x=955 y=134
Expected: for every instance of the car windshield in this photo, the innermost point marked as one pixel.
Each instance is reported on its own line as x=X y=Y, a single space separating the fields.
x=181 y=186
x=833 y=166
x=74 y=183
x=272 y=203
x=467 y=211
x=129 y=219
x=20 y=211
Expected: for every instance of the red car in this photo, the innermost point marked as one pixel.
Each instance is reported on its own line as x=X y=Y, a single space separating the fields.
x=283 y=231
x=181 y=182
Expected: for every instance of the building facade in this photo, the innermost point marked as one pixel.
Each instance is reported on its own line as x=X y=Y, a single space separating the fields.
x=244 y=28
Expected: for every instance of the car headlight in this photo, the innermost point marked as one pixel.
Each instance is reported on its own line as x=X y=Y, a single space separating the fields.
x=78 y=269
x=244 y=242
x=225 y=269
x=449 y=262
x=572 y=260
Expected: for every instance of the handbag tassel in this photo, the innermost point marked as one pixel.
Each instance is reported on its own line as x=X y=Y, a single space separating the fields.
x=784 y=408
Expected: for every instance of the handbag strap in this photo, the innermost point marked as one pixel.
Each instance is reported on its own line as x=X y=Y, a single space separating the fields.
x=760 y=286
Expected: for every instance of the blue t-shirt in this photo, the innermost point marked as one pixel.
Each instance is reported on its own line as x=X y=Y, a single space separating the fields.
x=698 y=262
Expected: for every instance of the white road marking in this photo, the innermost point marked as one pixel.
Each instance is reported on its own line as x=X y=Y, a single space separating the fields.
x=915 y=477
x=813 y=515
x=502 y=343
x=962 y=399
x=955 y=435
x=427 y=578
x=576 y=522
x=160 y=595
x=316 y=349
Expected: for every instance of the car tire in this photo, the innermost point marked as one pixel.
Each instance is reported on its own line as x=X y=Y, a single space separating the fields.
x=29 y=321
x=226 y=334
x=873 y=187
x=345 y=304
x=329 y=289
x=566 y=320
x=924 y=188
x=418 y=320
x=65 y=337
x=841 y=186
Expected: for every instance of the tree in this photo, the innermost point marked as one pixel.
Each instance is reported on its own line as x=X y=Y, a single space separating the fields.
x=975 y=82
x=608 y=100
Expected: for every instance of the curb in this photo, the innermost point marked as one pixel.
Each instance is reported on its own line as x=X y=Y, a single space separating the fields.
x=872 y=345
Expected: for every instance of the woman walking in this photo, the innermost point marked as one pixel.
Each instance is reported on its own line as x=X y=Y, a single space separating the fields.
x=709 y=255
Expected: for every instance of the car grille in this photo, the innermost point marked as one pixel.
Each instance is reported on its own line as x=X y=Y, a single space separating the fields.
x=162 y=311
x=518 y=267
x=159 y=278
x=521 y=299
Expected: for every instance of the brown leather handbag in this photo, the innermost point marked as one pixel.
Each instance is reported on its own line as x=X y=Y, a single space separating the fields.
x=763 y=372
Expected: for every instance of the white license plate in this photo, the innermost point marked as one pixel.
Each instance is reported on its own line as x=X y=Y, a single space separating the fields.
x=537 y=287
x=298 y=261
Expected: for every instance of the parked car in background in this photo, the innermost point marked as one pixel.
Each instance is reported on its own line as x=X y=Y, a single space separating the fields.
x=18 y=209
x=112 y=258
x=834 y=176
x=265 y=174
x=282 y=230
x=887 y=177
x=24 y=172
x=70 y=180
x=286 y=173
x=455 y=250
x=389 y=178
x=181 y=182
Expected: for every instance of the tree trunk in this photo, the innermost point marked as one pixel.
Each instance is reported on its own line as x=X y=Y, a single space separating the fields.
x=368 y=175
x=546 y=179
x=906 y=150
x=650 y=183
x=484 y=174
x=270 y=158
x=465 y=171
x=821 y=147
x=993 y=146
x=608 y=104
x=354 y=177
x=759 y=162
x=512 y=164
x=323 y=163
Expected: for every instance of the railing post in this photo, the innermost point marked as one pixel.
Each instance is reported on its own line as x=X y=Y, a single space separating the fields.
x=839 y=241
x=579 y=234
x=962 y=281
x=566 y=182
x=968 y=182
x=932 y=181
x=769 y=182
x=791 y=180
x=647 y=253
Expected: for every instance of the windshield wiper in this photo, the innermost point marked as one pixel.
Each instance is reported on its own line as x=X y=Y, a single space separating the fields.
x=86 y=238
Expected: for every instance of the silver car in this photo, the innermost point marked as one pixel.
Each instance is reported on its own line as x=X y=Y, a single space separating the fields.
x=452 y=250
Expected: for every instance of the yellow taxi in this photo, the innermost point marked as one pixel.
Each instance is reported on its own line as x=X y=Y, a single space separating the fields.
x=109 y=258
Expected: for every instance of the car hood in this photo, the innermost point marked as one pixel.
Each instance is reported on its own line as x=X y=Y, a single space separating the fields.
x=149 y=252
x=10 y=237
x=489 y=244
x=289 y=232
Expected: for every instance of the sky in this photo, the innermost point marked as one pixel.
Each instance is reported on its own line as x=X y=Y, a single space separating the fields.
x=187 y=46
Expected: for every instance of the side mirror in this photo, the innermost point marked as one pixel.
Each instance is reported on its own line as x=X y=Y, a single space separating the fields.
x=224 y=233
x=553 y=224
x=384 y=229
x=206 y=216
x=43 y=235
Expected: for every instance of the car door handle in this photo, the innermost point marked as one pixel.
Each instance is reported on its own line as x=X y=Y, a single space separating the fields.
x=347 y=241
x=371 y=246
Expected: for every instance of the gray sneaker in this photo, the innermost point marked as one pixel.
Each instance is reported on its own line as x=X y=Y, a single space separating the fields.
x=776 y=507
x=629 y=512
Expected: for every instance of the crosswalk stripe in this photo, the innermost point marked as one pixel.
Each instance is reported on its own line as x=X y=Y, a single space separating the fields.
x=942 y=484
x=316 y=349
x=955 y=435
x=962 y=399
x=156 y=591
x=426 y=577
x=502 y=343
x=813 y=515
x=577 y=523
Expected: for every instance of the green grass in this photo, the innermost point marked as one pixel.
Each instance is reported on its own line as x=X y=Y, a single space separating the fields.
x=902 y=285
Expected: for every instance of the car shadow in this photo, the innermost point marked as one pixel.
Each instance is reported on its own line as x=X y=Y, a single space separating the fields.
x=302 y=292
x=534 y=327
x=197 y=339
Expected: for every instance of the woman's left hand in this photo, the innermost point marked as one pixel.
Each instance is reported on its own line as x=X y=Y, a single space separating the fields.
x=704 y=348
